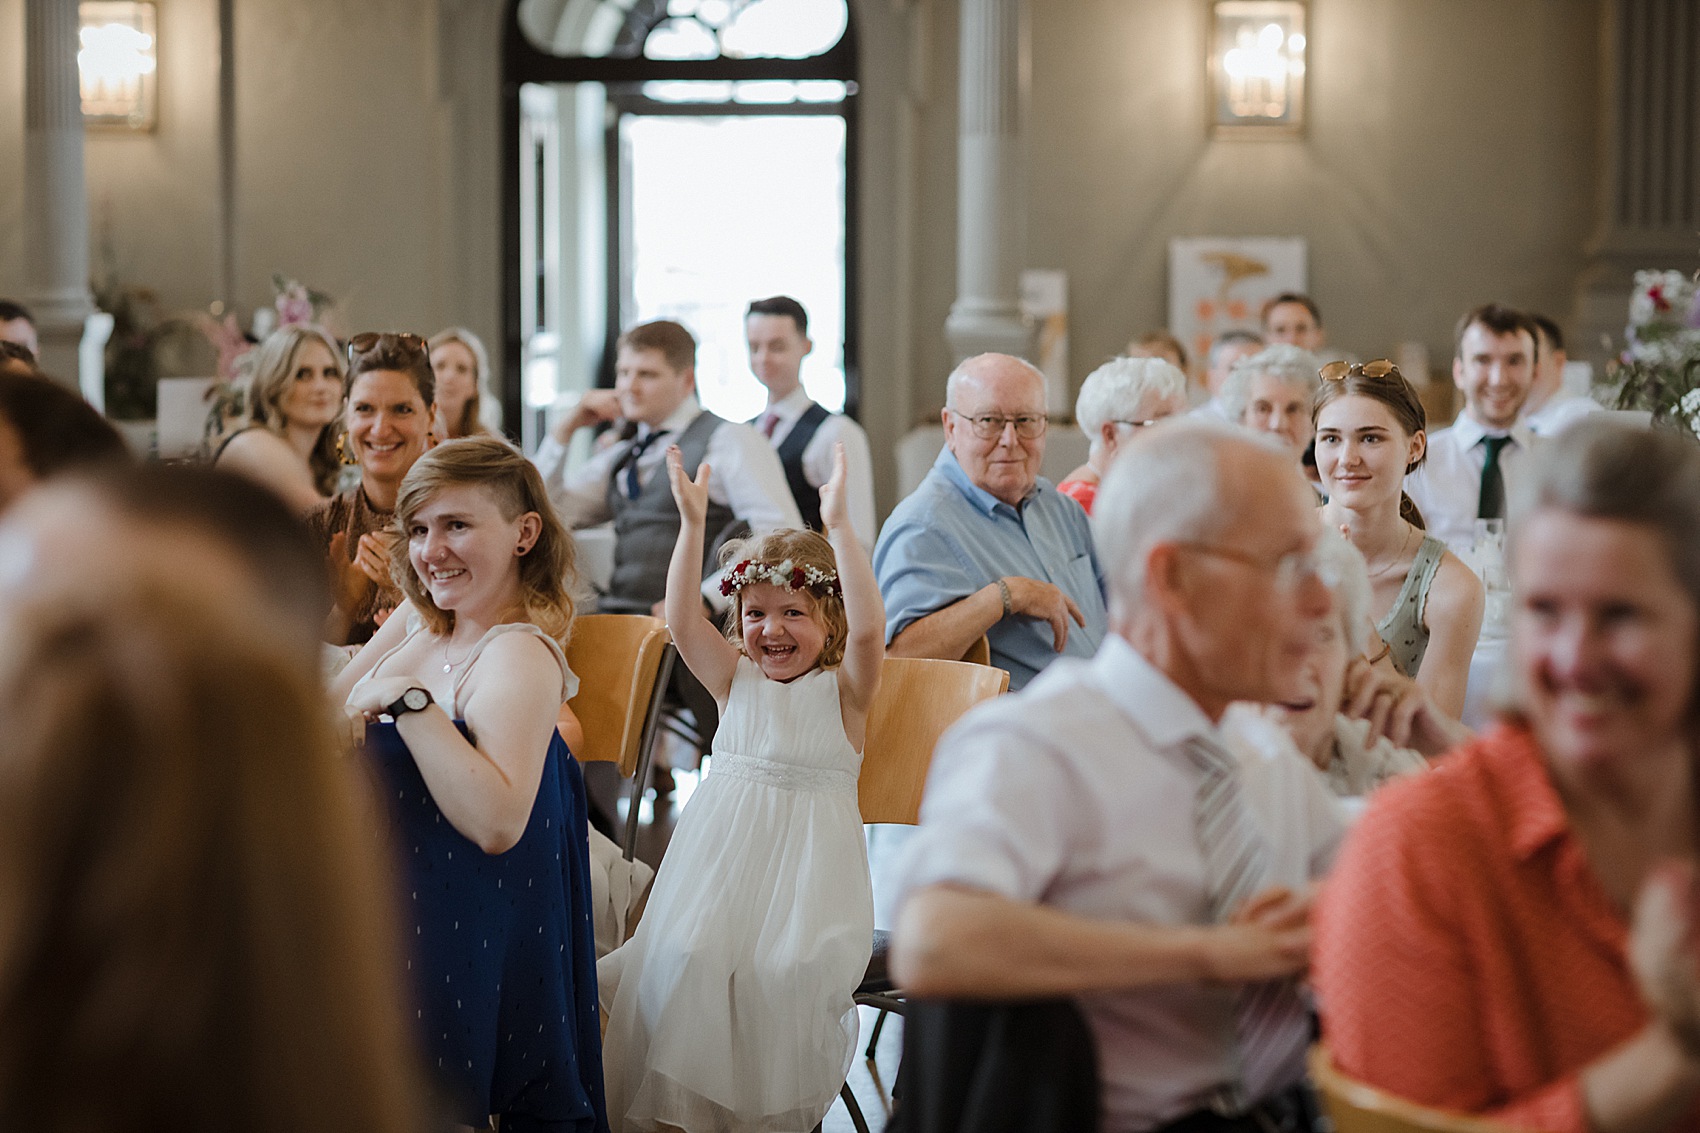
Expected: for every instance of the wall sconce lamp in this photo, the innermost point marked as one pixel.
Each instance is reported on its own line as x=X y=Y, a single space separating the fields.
x=1257 y=68
x=117 y=59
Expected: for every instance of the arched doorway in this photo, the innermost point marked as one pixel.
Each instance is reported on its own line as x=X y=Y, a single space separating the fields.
x=675 y=158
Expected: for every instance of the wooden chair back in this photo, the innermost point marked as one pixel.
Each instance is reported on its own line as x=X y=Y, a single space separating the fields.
x=1357 y=1107
x=918 y=699
x=618 y=660
x=980 y=653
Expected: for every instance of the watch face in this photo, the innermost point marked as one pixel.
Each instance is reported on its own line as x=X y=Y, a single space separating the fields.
x=416 y=699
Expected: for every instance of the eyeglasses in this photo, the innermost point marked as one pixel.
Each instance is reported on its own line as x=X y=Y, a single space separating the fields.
x=373 y=340
x=1289 y=570
x=990 y=426
x=1146 y=424
x=1378 y=368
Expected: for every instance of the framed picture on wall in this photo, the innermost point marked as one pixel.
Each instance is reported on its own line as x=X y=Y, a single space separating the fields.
x=1219 y=283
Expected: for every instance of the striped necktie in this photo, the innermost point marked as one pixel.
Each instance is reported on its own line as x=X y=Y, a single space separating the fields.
x=1236 y=866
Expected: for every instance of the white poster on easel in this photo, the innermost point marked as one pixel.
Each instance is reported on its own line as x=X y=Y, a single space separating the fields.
x=1219 y=283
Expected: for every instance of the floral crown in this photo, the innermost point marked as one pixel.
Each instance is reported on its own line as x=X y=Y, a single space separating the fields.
x=786 y=574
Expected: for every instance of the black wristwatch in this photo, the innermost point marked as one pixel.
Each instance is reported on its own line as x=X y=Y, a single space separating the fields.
x=414 y=699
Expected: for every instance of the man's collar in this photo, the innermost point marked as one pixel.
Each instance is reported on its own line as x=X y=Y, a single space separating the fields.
x=1470 y=431
x=677 y=421
x=976 y=495
x=1146 y=695
x=792 y=405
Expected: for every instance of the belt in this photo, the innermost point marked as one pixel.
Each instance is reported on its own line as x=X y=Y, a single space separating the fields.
x=1294 y=1110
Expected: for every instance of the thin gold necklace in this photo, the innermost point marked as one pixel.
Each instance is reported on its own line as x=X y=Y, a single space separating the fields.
x=1398 y=557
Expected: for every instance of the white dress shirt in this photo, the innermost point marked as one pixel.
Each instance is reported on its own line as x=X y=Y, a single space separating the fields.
x=744 y=476
x=1448 y=486
x=1552 y=418
x=1076 y=794
x=817 y=458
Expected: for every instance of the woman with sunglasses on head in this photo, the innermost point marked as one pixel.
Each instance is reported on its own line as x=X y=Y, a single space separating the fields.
x=288 y=440
x=1370 y=432
x=461 y=691
x=386 y=427
x=462 y=366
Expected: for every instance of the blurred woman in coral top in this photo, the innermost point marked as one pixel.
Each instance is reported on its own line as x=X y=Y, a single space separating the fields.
x=1513 y=934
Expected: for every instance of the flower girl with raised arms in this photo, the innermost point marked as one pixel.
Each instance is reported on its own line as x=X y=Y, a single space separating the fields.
x=730 y=1008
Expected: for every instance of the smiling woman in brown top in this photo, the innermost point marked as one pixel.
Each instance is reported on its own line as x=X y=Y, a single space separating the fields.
x=390 y=403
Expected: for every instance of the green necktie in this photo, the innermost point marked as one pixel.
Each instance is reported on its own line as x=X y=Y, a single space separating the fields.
x=1491 y=503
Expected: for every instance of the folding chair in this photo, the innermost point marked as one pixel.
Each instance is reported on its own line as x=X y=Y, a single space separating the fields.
x=622 y=662
x=917 y=701
x=1357 y=1107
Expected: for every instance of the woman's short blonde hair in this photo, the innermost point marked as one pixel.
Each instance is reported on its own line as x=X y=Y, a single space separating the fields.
x=196 y=928
x=271 y=367
x=804 y=549
x=547 y=572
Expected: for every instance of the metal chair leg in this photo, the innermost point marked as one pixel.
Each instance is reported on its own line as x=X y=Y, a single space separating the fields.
x=856 y=1118
x=874 y=1039
x=646 y=752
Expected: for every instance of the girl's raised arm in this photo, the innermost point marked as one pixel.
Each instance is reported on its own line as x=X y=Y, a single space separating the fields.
x=706 y=652
x=864 y=652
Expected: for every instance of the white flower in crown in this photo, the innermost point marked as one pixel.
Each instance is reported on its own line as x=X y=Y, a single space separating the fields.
x=787 y=575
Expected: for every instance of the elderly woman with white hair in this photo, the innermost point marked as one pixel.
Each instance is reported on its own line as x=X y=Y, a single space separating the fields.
x=1349 y=752
x=1271 y=392
x=1118 y=401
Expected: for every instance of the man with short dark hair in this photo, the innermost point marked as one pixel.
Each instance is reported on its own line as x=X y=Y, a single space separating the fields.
x=1473 y=464
x=18 y=325
x=1294 y=318
x=654 y=405
x=1547 y=410
x=801 y=431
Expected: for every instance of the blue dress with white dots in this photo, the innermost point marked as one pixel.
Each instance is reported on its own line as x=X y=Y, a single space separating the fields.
x=502 y=954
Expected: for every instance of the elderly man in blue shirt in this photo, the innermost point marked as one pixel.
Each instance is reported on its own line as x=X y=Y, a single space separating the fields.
x=985 y=546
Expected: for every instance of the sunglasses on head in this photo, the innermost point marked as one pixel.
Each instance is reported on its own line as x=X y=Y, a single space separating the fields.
x=1378 y=368
x=373 y=340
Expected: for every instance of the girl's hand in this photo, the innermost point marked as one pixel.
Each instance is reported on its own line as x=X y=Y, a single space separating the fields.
x=834 y=510
x=691 y=496
x=370 y=699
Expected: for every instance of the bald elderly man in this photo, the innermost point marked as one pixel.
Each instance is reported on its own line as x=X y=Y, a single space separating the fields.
x=985 y=546
x=1092 y=836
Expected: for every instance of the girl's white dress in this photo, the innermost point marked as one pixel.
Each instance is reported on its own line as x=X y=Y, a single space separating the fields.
x=730 y=1009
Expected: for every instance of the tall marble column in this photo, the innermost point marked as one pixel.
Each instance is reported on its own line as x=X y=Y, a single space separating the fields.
x=1650 y=165
x=56 y=220
x=991 y=217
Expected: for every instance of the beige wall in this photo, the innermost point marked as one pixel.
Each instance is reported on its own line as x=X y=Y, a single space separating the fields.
x=1448 y=161
x=346 y=176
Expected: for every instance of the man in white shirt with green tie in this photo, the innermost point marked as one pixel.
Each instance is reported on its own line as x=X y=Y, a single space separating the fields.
x=1473 y=464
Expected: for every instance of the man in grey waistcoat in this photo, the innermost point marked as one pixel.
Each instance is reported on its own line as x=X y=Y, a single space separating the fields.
x=653 y=405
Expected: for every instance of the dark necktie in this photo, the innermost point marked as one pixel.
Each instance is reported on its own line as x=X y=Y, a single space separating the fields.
x=1491 y=503
x=769 y=422
x=633 y=486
